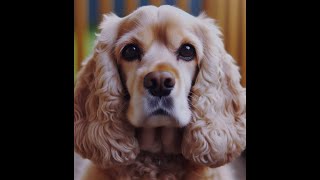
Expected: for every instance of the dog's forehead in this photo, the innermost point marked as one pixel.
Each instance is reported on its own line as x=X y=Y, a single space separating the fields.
x=159 y=17
x=157 y=13
x=162 y=13
x=166 y=24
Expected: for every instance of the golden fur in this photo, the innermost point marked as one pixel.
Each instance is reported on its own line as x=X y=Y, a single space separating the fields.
x=110 y=125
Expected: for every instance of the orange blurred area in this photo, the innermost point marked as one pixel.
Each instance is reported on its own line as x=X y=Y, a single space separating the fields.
x=230 y=15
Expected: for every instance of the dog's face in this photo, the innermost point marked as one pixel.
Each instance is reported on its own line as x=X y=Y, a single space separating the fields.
x=157 y=53
x=151 y=73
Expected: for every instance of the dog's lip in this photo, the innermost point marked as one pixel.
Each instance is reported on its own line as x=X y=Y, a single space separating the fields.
x=160 y=111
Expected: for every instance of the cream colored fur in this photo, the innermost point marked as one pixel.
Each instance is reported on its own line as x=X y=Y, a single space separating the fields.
x=209 y=101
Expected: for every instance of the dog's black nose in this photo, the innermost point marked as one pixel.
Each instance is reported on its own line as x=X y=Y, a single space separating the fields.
x=159 y=83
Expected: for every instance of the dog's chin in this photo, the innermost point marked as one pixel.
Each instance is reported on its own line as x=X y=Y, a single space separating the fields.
x=160 y=120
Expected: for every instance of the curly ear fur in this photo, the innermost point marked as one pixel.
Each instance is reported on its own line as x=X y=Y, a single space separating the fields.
x=216 y=134
x=101 y=132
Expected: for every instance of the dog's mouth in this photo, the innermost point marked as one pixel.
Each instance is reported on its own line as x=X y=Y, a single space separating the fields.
x=160 y=112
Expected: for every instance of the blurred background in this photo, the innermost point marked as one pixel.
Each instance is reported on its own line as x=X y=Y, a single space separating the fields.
x=230 y=15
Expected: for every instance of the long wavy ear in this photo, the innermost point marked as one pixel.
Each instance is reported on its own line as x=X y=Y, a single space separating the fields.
x=217 y=132
x=101 y=131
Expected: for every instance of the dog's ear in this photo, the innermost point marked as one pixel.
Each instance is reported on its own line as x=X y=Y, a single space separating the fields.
x=217 y=132
x=101 y=131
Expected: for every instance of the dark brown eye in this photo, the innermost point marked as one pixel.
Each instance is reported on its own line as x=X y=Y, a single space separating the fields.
x=131 y=52
x=186 y=52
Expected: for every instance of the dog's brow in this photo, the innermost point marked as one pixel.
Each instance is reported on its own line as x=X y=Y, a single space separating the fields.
x=160 y=32
x=131 y=22
x=127 y=26
x=159 y=29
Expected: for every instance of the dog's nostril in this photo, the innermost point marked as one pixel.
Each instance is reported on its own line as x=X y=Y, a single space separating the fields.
x=150 y=83
x=169 y=82
x=154 y=84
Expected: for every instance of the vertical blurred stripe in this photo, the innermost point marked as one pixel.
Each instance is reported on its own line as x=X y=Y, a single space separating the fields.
x=144 y=2
x=119 y=7
x=183 y=4
x=222 y=15
x=210 y=7
x=93 y=13
x=81 y=28
x=243 y=42
x=196 y=6
x=234 y=29
x=131 y=5
x=170 y=2
x=156 y=2
x=105 y=6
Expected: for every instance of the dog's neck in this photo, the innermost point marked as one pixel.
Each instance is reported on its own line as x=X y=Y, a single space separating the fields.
x=160 y=157
x=149 y=165
x=161 y=140
x=161 y=160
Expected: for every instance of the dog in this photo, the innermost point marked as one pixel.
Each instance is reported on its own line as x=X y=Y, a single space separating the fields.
x=159 y=98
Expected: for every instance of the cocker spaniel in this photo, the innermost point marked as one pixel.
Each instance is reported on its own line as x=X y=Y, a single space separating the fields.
x=159 y=98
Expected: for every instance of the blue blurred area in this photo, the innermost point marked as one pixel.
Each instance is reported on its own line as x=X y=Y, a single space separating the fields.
x=196 y=7
x=93 y=12
x=170 y=2
x=143 y=2
x=119 y=8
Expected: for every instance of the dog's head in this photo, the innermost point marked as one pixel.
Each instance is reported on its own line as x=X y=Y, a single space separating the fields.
x=157 y=51
x=159 y=67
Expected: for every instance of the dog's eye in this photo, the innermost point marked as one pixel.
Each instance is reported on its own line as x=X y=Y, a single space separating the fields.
x=186 y=52
x=131 y=52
